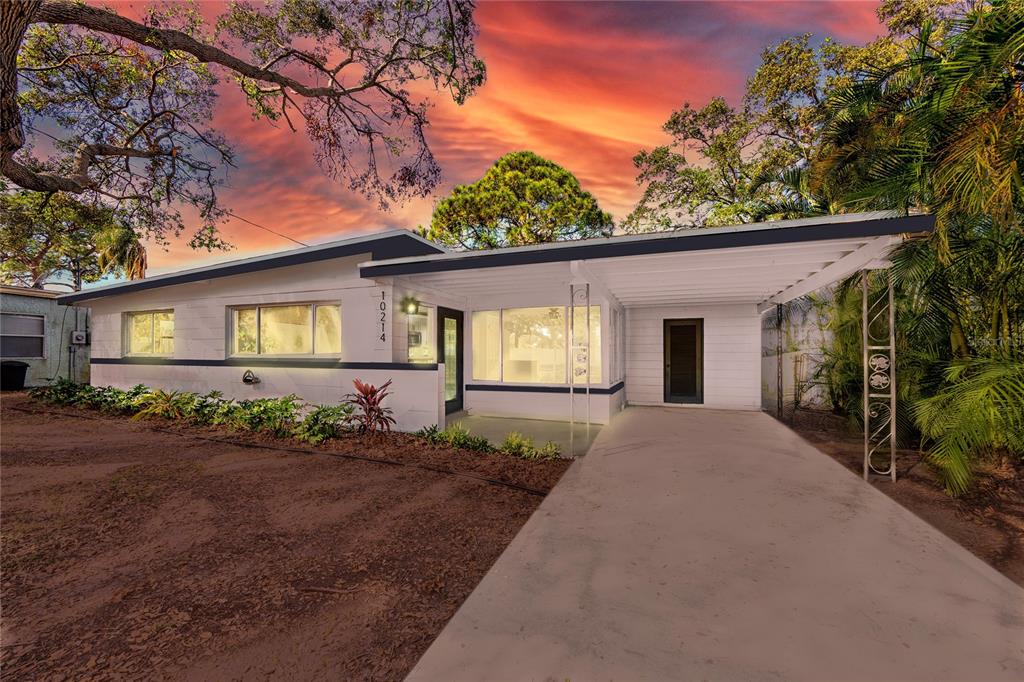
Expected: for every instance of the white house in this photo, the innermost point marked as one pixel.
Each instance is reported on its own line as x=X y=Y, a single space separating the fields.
x=668 y=318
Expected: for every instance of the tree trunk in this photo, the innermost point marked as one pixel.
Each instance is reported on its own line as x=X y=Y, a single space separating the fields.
x=15 y=17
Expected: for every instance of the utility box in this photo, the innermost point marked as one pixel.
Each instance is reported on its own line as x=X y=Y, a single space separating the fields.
x=79 y=338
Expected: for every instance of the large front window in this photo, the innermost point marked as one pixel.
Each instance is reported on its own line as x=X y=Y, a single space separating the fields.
x=307 y=329
x=529 y=345
x=151 y=333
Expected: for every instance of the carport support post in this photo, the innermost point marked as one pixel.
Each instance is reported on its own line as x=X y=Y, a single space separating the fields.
x=878 y=341
x=778 y=359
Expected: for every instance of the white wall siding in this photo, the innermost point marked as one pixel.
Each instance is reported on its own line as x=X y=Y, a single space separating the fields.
x=551 y=406
x=415 y=399
x=732 y=354
x=201 y=308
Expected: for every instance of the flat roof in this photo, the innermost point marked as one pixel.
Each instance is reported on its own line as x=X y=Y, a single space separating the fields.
x=13 y=290
x=387 y=244
x=846 y=226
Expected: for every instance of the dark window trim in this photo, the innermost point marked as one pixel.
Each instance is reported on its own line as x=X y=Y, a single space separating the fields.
x=291 y=363
x=519 y=388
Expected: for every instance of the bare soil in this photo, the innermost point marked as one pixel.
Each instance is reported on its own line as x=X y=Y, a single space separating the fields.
x=137 y=549
x=988 y=521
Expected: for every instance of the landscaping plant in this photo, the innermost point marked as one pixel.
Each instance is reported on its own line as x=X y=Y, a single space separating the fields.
x=165 y=404
x=371 y=416
x=518 y=445
x=276 y=416
x=456 y=436
x=323 y=422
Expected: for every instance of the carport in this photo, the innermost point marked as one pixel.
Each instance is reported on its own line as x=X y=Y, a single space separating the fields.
x=669 y=318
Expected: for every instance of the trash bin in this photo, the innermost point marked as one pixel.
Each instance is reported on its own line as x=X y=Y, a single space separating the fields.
x=12 y=375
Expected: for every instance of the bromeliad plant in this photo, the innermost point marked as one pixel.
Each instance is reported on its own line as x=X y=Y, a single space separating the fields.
x=371 y=415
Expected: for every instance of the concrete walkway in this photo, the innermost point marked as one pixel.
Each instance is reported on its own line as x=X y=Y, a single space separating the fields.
x=699 y=544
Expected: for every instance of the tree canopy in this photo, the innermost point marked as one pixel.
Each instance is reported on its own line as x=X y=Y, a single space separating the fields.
x=521 y=199
x=63 y=240
x=729 y=164
x=134 y=100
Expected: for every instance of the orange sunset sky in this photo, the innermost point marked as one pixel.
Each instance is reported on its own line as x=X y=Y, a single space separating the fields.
x=584 y=84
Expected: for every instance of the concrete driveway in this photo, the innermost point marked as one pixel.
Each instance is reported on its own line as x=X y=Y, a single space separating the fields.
x=701 y=544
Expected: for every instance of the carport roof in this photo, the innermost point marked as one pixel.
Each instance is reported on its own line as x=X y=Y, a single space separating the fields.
x=770 y=262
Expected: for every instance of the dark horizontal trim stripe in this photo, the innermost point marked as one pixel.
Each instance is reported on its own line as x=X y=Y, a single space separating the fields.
x=290 y=363
x=693 y=240
x=386 y=247
x=510 y=388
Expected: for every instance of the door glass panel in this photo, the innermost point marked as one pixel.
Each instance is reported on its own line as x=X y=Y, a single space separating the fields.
x=421 y=344
x=683 y=370
x=451 y=346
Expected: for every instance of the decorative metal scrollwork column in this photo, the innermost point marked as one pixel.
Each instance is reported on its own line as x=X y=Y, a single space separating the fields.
x=578 y=364
x=879 y=346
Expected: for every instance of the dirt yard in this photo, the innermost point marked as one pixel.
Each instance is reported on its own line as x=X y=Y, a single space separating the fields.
x=131 y=552
x=988 y=521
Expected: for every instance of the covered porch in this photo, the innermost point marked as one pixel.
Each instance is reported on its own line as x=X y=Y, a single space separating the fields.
x=575 y=331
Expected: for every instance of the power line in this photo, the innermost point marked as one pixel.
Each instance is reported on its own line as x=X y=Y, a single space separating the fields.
x=230 y=213
x=263 y=227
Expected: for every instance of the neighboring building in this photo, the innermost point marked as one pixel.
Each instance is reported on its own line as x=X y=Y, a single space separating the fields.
x=37 y=329
x=674 y=319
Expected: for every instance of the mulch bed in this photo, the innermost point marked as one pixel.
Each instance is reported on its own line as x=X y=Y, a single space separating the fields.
x=988 y=521
x=146 y=549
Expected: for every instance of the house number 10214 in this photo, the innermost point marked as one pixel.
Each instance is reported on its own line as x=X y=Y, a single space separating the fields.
x=383 y=317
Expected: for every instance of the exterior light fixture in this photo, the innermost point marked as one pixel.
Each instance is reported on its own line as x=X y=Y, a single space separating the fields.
x=411 y=305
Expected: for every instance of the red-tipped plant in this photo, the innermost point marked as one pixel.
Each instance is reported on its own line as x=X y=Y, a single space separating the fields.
x=371 y=415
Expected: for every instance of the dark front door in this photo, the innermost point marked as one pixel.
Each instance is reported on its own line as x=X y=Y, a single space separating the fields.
x=684 y=361
x=449 y=351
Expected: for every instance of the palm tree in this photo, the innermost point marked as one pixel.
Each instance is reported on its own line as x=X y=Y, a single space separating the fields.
x=943 y=131
x=119 y=249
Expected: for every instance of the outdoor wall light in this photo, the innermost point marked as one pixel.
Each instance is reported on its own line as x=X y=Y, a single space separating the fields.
x=411 y=305
x=250 y=378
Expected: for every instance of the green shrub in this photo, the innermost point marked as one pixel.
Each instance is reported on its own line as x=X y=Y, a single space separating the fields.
x=323 y=422
x=518 y=445
x=165 y=404
x=455 y=436
x=61 y=392
x=203 y=408
x=271 y=415
x=550 y=450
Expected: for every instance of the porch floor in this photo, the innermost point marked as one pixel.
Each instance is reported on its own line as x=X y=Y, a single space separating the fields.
x=541 y=431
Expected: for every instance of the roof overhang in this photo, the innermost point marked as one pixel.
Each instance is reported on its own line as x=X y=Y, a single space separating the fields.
x=762 y=264
x=386 y=244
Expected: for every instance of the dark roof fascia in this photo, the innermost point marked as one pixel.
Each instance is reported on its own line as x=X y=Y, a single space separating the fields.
x=693 y=240
x=386 y=247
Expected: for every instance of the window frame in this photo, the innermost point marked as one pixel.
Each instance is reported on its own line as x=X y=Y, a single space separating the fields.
x=605 y=379
x=42 y=336
x=126 y=331
x=231 y=310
